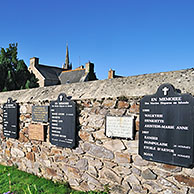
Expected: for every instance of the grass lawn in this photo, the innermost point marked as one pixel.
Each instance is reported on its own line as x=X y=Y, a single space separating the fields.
x=18 y=182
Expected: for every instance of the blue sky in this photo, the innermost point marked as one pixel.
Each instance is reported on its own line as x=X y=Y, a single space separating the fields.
x=130 y=36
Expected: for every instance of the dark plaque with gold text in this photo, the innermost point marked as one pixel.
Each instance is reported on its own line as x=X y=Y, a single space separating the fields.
x=166 y=127
x=10 y=119
x=40 y=113
x=62 y=122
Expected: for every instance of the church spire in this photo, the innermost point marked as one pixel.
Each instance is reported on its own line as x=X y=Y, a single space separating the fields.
x=67 y=58
x=67 y=65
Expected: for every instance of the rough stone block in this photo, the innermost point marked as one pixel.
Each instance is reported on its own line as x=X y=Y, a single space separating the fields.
x=122 y=158
x=114 y=145
x=189 y=181
x=149 y=175
x=97 y=151
x=110 y=175
x=123 y=104
x=30 y=156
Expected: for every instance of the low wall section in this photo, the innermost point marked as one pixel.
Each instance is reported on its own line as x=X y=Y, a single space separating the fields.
x=97 y=160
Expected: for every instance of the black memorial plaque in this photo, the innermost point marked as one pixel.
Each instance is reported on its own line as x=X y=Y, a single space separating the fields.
x=40 y=113
x=63 y=122
x=166 y=127
x=10 y=119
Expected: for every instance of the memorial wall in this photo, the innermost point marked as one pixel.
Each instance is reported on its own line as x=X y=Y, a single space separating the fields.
x=131 y=134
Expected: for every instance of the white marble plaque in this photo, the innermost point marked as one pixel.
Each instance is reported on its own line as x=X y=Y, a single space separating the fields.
x=120 y=126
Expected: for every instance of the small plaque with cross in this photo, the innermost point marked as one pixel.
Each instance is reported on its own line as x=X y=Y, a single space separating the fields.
x=167 y=127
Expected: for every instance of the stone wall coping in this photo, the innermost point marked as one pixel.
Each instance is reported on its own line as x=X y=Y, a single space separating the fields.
x=132 y=86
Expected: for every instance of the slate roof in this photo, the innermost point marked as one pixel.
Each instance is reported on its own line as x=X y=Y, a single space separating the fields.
x=49 y=72
x=71 y=76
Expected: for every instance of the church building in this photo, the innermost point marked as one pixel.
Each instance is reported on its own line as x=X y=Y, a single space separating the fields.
x=50 y=75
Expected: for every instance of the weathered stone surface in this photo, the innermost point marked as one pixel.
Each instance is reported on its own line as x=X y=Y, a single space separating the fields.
x=96 y=121
x=132 y=179
x=132 y=147
x=117 y=112
x=51 y=172
x=118 y=189
x=73 y=182
x=23 y=138
x=110 y=175
x=122 y=170
x=136 y=171
x=114 y=145
x=123 y=104
x=7 y=153
x=84 y=186
x=95 y=162
x=148 y=175
x=134 y=108
x=71 y=171
x=35 y=149
x=138 y=161
x=15 y=152
x=109 y=103
x=91 y=179
x=153 y=185
x=55 y=151
x=191 y=191
x=23 y=109
x=9 y=144
x=138 y=189
x=189 y=181
x=85 y=136
x=78 y=150
x=100 y=134
x=171 y=168
x=97 y=151
x=92 y=170
x=30 y=156
x=122 y=158
x=59 y=158
x=167 y=183
x=82 y=164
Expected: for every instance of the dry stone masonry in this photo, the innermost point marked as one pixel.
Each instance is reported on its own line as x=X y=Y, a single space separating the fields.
x=97 y=161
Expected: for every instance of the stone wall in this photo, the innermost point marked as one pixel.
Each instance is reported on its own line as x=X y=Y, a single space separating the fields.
x=97 y=160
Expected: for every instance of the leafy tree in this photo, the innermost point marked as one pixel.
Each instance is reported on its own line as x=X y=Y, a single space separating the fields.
x=14 y=74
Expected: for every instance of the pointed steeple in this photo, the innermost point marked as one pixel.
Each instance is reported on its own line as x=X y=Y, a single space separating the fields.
x=67 y=58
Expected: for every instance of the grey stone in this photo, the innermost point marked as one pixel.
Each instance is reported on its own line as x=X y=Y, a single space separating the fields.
x=138 y=161
x=91 y=179
x=148 y=175
x=92 y=170
x=138 y=189
x=191 y=191
x=82 y=164
x=15 y=152
x=118 y=189
x=167 y=183
x=95 y=163
x=110 y=175
x=153 y=185
x=114 y=145
x=132 y=179
x=97 y=151
x=136 y=171
x=78 y=150
x=123 y=171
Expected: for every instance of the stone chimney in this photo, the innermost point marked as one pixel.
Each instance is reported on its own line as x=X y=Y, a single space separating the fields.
x=89 y=67
x=111 y=74
x=34 y=61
